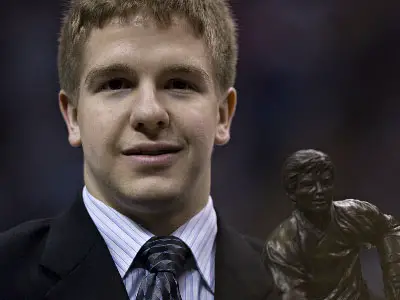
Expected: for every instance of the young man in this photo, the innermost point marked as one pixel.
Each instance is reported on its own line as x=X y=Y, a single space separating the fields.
x=314 y=254
x=146 y=91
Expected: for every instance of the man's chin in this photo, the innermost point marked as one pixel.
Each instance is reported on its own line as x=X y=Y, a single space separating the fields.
x=150 y=199
x=321 y=207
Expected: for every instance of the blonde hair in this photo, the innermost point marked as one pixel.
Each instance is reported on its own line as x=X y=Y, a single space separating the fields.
x=211 y=20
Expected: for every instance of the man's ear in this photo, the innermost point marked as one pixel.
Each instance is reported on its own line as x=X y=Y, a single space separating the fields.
x=69 y=112
x=226 y=111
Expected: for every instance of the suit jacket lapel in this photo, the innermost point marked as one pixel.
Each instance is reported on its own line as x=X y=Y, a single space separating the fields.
x=239 y=271
x=76 y=253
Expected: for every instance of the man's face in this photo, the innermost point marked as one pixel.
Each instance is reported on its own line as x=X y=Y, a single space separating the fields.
x=314 y=190
x=149 y=114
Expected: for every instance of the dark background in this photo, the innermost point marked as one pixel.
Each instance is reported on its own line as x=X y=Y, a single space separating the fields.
x=312 y=74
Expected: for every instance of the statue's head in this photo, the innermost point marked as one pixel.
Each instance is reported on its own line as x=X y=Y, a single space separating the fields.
x=308 y=178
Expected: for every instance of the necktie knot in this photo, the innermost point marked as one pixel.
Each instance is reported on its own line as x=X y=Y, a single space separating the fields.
x=164 y=254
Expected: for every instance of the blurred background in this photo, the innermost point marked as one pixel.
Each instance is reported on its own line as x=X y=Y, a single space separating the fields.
x=311 y=74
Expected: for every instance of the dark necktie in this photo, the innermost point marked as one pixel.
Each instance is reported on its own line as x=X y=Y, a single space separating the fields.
x=165 y=258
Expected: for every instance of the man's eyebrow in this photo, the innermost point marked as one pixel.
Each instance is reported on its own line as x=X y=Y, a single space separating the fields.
x=187 y=69
x=103 y=71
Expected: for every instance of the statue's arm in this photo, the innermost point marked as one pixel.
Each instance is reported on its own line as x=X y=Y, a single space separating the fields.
x=384 y=233
x=288 y=272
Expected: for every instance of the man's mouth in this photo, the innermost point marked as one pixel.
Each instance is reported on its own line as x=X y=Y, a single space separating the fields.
x=152 y=149
x=319 y=201
x=154 y=153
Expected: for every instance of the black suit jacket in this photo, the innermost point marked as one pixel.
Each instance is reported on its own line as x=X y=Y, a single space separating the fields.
x=66 y=258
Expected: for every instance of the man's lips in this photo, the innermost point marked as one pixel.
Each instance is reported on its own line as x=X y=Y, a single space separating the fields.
x=152 y=149
x=319 y=200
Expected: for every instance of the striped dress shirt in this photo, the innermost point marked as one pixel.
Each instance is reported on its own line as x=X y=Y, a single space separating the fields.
x=124 y=238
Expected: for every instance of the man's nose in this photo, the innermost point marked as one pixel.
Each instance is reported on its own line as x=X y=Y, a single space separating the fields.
x=148 y=114
x=318 y=187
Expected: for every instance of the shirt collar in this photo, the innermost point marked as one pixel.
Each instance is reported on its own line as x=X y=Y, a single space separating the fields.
x=306 y=224
x=199 y=234
x=124 y=237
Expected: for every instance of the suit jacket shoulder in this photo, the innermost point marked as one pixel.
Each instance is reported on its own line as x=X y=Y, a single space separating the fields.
x=20 y=249
x=23 y=236
x=240 y=271
x=63 y=258
x=255 y=243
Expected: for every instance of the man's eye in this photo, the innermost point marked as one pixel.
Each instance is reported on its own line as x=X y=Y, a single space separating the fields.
x=179 y=84
x=116 y=84
x=306 y=184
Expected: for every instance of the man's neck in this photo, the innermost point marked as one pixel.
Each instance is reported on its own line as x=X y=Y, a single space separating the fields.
x=320 y=220
x=166 y=223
